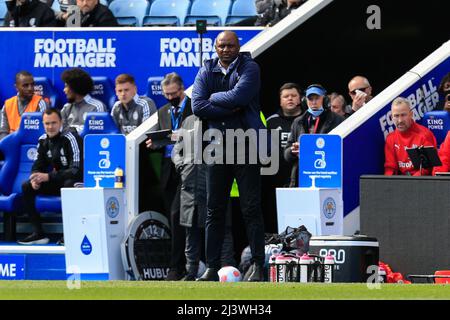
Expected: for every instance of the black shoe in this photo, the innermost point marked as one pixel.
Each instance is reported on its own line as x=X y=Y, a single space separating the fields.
x=258 y=273
x=34 y=238
x=174 y=275
x=209 y=275
x=189 y=277
x=60 y=242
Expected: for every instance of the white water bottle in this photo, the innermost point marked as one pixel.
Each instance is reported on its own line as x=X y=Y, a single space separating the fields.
x=305 y=267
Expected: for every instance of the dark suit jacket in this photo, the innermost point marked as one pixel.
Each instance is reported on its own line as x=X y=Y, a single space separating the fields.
x=168 y=172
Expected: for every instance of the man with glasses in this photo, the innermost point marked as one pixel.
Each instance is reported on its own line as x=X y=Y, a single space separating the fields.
x=360 y=91
x=317 y=119
x=171 y=116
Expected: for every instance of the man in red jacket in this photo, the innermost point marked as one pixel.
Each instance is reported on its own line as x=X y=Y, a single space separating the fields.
x=407 y=134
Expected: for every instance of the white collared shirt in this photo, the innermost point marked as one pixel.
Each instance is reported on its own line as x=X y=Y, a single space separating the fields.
x=225 y=70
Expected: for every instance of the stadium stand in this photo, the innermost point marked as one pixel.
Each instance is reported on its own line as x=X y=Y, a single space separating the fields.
x=129 y=12
x=44 y=88
x=20 y=150
x=214 y=12
x=104 y=91
x=438 y=122
x=167 y=13
x=241 y=9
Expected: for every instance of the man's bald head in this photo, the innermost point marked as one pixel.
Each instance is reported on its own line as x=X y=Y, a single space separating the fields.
x=227 y=47
x=359 y=83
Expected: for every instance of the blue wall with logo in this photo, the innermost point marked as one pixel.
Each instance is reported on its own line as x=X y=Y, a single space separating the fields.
x=142 y=53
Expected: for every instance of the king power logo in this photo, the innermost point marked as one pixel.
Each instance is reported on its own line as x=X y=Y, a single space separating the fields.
x=81 y=53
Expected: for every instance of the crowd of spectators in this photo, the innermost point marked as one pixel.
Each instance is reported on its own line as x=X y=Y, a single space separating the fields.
x=92 y=13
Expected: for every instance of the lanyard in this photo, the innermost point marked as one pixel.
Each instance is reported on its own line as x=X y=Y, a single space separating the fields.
x=176 y=122
x=316 y=125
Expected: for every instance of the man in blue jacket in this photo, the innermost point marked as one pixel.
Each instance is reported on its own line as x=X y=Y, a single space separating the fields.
x=226 y=96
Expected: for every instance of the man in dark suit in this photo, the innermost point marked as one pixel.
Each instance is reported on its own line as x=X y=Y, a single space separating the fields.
x=170 y=116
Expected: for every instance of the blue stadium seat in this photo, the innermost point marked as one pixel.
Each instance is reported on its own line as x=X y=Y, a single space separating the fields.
x=167 y=12
x=438 y=122
x=104 y=91
x=19 y=149
x=3 y=11
x=154 y=91
x=214 y=12
x=129 y=12
x=99 y=122
x=241 y=9
x=44 y=88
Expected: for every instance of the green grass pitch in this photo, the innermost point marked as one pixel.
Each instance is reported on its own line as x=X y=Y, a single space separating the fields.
x=161 y=290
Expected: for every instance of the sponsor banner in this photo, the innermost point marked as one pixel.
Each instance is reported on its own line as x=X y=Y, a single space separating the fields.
x=143 y=53
x=364 y=146
x=103 y=153
x=12 y=267
x=320 y=161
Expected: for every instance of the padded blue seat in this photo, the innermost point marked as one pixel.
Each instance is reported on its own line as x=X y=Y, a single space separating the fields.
x=167 y=13
x=129 y=12
x=48 y=204
x=438 y=122
x=20 y=151
x=3 y=11
x=99 y=122
x=154 y=91
x=104 y=91
x=44 y=88
x=214 y=12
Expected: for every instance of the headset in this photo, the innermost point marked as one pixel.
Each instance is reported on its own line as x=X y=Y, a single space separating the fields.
x=326 y=100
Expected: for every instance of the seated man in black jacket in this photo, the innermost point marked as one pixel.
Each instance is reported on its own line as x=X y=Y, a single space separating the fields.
x=29 y=13
x=317 y=119
x=90 y=13
x=58 y=165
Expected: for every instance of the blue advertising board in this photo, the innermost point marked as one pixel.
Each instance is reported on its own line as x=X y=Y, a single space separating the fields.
x=12 y=267
x=147 y=54
x=364 y=147
x=103 y=153
x=320 y=161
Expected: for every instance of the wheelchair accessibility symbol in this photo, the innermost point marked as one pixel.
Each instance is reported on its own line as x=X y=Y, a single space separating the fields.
x=320 y=163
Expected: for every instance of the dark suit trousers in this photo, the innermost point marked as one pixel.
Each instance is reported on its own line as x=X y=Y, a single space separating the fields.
x=219 y=180
x=29 y=197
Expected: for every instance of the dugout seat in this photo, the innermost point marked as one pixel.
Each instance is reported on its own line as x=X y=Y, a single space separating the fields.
x=214 y=12
x=129 y=12
x=154 y=91
x=3 y=11
x=19 y=149
x=99 y=122
x=438 y=122
x=167 y=13
x=104 y=91
x=44 y=88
